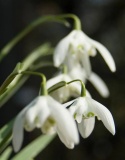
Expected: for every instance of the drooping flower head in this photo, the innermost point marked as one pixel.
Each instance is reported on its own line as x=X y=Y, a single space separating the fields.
x=76 y=48
x=84 y=110
x=48 y=115
x=66 y=92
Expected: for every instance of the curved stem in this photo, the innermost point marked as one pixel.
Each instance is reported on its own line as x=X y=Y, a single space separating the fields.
x=64 y=69
x=77 y=22
x=83 y=89
x=43 y=89
x=39 y=52
x=7 y=48
x=50 y=18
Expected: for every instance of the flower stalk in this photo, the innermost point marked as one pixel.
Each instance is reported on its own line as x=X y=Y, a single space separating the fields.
x=83 y=89
x=43 y=89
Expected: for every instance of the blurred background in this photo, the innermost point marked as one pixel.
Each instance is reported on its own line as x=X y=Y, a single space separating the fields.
x=102 y=20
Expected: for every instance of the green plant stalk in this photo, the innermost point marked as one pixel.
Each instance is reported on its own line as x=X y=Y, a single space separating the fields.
x=6 y=135
x=50 y=18
x=77 y=22
x=6 y=154
x=43 y=89
x=7 y=48
x=83 y=89
x=10 y=78
x=34 y=148
x=19 y=80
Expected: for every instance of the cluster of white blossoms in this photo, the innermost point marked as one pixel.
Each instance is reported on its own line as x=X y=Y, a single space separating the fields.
x=54 y=113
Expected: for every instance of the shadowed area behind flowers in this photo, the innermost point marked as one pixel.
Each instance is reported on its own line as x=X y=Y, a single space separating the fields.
x=101 y=20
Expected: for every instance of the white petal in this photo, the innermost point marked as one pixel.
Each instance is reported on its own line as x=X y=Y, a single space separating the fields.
x=103 y=113
x=86 y=126
x=18 y=130
x=61 y=49
x=43 y=114
x=78 y=118
x=66 y=142
x=54 y=80
x=105 y=54
x=81 y=106
x=99 y=84
x=88 y=94
x=64 y=120
x=43 y=111
x=75 y=89
x=79 y=71
x=31 y=114
x=86 y=62
x=66 y=105
x=60 y=52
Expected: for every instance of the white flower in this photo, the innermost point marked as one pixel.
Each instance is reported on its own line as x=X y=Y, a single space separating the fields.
x=84 y=110
x=76 y=48
x=64 y=93
x=48 y=115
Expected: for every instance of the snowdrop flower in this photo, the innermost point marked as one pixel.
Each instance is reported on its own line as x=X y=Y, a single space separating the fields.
x=66 y=92
x=48 y=115
x=84 y=110
x=76 y=48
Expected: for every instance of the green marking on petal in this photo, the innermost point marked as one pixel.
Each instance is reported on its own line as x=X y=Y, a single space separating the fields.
x=48 y=125
x=90 y=114
x=75 y=116
x=80 y=46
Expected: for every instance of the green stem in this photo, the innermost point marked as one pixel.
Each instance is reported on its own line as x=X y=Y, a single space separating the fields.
x=60 y=19
x=39 y=52
x=43 y=83
x=83 y=89
x=7 y=48
x=64 y=69
x=42 y=64
x=9 y=79
x=77 y=22
x=63 y=83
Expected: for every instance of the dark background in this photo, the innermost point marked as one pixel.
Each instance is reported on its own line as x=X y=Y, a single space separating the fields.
x=102 y=20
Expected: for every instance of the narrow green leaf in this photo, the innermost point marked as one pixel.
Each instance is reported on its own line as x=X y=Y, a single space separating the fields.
x=34 y=148
x=6 y=154
x=5 y=135
x=39 y=52
x=50 y=18
x=57 y=86
x=10 y=78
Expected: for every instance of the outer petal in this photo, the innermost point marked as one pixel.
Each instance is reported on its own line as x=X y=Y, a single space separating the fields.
x=86 y=126
x=18 y=130
x=86 y=62
x=43 y=111
x=105 y=54
x=66 y=105
x=40 y=111
x=64 y=120
x=99 y=84
x=60 y=52
x=30 y=115
x=69 y=144
x=62 y=49
x=103 y=113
